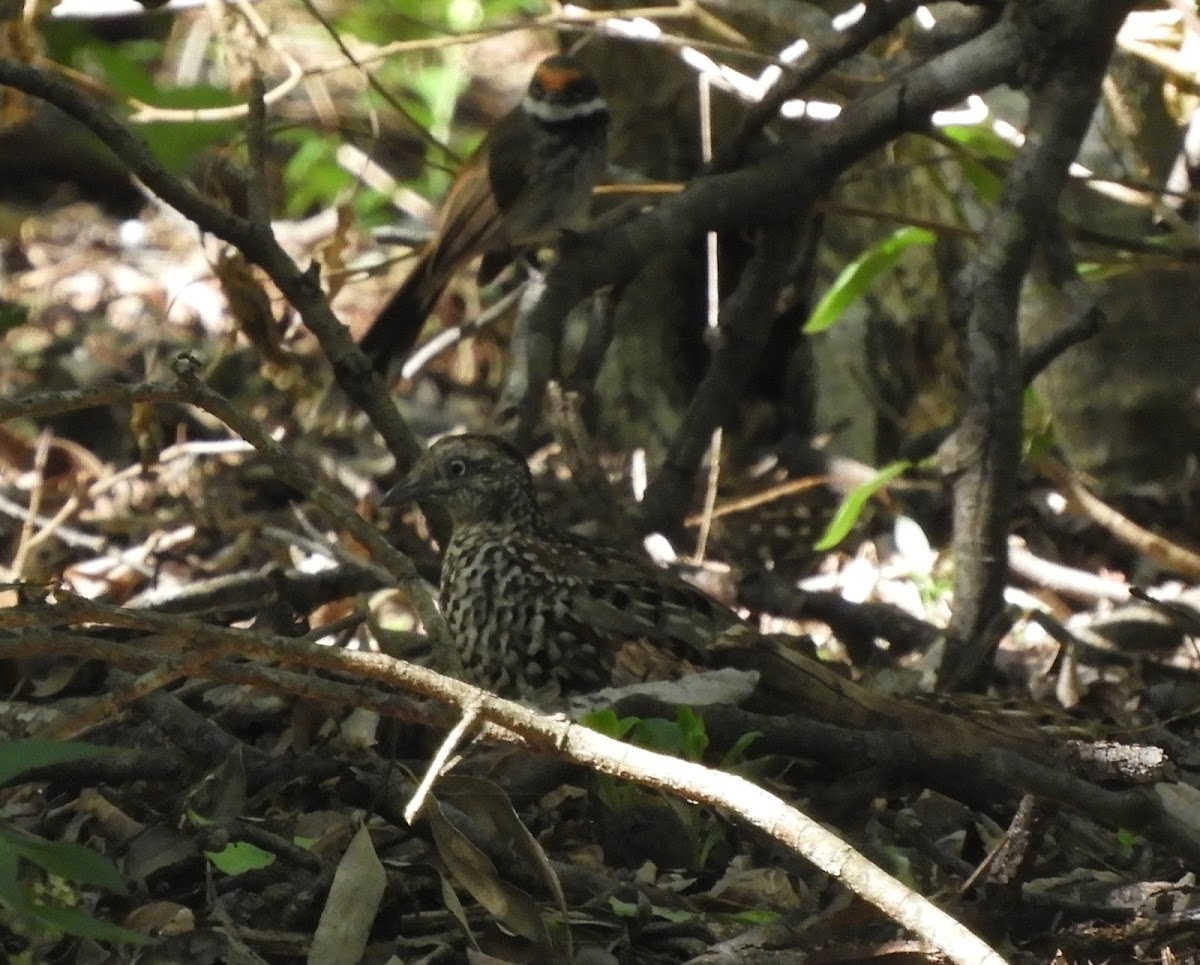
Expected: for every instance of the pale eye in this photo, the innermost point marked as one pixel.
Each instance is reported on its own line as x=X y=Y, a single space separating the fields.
x=456 y=468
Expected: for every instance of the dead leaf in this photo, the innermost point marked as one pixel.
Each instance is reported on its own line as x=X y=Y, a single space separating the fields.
x=353 y=902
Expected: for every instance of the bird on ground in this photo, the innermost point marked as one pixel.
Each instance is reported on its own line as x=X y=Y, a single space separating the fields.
x=531 y=177
x=537 y=612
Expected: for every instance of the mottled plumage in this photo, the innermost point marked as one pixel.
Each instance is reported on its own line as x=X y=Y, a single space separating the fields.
x=536 y=611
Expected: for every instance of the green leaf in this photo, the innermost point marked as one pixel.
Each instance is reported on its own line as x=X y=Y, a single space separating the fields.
x=737 y=752
x=75 y=921
x=852 y=506
x=981 y=140
x=603 y=721
x=986 y=183
x=985 y=145
x=239 y=857
x=11 y=892
x=713 y=836
x=439 y=87
x=694 y=737
x=1127 y=839
x=313 y=176
x=858 y=276
x=16 y=757
x=656 y=734
x=623 y=909
x=124 y=74
x=606 y=722
x=1094 y=271
x=66 y=859
x=617 y=795
x=755 y=916
x=177 y=145
x=132 y=79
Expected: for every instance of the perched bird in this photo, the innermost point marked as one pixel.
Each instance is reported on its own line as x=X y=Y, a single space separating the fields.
x=530 y=177
x=538 y=612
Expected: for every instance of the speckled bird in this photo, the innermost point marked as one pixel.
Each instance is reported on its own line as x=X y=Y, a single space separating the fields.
x=537 y=612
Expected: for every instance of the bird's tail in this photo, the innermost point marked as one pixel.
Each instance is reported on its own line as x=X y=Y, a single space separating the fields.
x=394 y=331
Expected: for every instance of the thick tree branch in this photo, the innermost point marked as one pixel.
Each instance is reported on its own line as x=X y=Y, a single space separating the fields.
x=1074 y=43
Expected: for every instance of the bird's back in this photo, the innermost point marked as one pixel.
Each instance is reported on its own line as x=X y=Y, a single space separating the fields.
x=546 y=611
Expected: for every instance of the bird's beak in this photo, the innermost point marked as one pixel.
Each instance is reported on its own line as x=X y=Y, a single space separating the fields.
x=409 y=490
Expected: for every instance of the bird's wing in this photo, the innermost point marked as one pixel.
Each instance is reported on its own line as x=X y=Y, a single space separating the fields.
x=511 y=158
x=619 y=595
x=469 y=219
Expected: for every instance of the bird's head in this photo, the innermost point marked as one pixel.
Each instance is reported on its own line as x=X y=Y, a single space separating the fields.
x=475 y=479
x=563 y=92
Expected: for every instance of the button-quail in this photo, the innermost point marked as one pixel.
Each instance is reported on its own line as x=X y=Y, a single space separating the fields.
x=536 y=611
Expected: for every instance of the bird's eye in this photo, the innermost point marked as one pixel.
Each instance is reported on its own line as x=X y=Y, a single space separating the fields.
x=456 y=468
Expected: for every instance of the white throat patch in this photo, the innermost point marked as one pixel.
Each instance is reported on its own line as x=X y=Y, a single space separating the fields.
x=556 y=113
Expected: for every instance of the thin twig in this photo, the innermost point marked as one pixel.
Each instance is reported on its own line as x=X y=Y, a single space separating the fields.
x=1162 y=551
x=448 y=747
x=25 y=540
x=713 y=320
x=424 y=354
